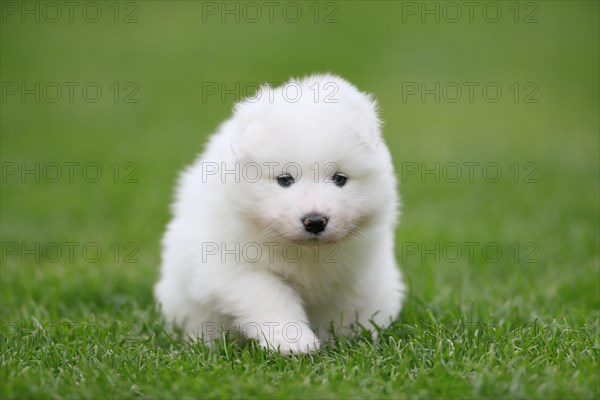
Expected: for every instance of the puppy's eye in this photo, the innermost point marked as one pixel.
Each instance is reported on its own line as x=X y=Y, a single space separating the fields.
x=339 y=179
x=285 y=180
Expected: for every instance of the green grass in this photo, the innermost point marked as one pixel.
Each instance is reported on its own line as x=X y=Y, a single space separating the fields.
x=523 y=326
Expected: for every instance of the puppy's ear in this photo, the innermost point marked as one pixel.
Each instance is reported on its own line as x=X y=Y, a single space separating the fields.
x=364 y=108
x=247 y=109
x=247 y=122
x=369 y=127
x=245 y=137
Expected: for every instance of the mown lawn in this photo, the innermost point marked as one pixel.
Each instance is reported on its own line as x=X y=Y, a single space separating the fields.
x=499 y=240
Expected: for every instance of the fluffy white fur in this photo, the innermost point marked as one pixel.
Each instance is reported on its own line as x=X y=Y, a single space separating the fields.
x=236 y=254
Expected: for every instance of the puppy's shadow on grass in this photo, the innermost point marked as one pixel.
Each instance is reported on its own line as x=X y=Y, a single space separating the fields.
x=156 y=332
x=172 y=339
x=237 y=347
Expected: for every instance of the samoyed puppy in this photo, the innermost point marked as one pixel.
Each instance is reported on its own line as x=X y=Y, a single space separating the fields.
x=283 y=229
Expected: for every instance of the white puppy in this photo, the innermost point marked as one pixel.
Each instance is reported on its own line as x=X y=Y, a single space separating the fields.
x=284 y=227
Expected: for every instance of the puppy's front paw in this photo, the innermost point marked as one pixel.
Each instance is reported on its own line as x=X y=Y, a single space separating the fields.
x=291 y=338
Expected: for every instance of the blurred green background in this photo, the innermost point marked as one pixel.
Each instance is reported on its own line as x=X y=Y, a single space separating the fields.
x=168 y=52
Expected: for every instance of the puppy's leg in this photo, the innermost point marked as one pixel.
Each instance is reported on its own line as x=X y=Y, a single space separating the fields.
x=267 y=309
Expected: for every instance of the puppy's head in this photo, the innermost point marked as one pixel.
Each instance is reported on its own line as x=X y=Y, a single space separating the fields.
x=312 y=161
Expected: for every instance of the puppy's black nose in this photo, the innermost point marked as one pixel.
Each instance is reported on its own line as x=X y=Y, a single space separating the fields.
x=314 y=222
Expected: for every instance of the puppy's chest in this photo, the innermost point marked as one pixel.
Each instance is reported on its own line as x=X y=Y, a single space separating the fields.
x=316 y=284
